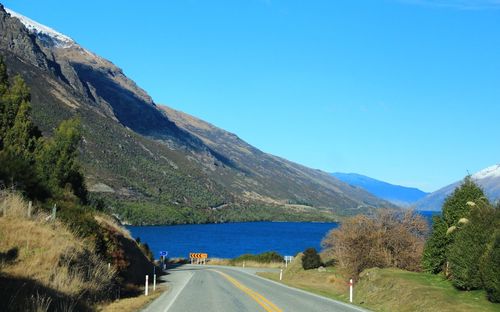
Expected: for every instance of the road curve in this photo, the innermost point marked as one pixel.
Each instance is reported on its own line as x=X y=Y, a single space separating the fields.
x=230 y=289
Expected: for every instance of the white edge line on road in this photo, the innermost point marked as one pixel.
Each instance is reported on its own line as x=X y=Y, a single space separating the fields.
x=303 y=291
x=178 y=293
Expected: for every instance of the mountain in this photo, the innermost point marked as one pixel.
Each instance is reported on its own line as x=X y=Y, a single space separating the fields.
x=154 y=164
x=396 y=194
x=488 y=179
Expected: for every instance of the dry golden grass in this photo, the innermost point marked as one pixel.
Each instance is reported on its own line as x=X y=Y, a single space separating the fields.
x=49 y=253
x=132 y=304
x=113 y=224
x=248 y=264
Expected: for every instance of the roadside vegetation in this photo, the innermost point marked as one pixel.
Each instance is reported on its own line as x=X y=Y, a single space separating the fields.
x=60 y=251
x=398 y=266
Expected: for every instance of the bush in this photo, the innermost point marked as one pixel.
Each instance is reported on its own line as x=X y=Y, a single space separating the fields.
x=390 y=238
x=311 y=259
x=266 y=257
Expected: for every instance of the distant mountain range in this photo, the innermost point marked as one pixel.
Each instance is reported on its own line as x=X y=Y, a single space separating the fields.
x=488 y=179
x=157 y=160
x=396 y=194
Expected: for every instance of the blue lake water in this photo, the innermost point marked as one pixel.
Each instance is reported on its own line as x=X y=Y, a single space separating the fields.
x=229 y=240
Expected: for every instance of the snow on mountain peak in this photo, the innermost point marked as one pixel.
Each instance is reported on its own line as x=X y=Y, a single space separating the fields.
x=45 y=33
x=490 y=172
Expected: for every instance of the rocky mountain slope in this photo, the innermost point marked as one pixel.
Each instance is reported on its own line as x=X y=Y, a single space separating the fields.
x=488 y=179
x=396 y=194
x=133 y=151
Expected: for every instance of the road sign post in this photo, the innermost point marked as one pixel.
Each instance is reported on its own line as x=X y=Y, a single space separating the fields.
x=288 y=259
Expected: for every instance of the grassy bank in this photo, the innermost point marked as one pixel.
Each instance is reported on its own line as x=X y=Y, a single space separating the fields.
x=47 y=266
x=387 y=290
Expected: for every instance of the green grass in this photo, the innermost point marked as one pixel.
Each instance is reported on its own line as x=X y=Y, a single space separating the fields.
x=389 y=290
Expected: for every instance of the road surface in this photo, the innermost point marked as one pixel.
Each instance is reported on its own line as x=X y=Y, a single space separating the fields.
x=229 y=289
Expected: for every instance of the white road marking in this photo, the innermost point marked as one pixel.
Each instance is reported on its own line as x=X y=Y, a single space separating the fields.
x=178 y=293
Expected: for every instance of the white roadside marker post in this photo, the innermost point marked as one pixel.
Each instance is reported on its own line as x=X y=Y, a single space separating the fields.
x=350 y=290
x=146 y=290
x=154 y=282
x=281 y=274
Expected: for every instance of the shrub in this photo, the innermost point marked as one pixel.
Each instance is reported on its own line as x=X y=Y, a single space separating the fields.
x=266 y=257
x=390 y=238
x=311 y=259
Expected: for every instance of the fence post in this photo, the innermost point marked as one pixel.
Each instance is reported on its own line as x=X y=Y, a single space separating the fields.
x=350 y=290
x=30 y=206
x=54 y=210
x=146 y=290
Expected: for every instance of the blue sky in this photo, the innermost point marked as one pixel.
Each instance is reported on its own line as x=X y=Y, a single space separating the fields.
x=407 y=91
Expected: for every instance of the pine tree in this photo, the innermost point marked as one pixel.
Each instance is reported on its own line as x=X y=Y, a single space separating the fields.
x=469 y=244
x=57 y=160
x=490 y=266
x=4 y=78
x=434 y=256
x=456 y=207
x=21 y=139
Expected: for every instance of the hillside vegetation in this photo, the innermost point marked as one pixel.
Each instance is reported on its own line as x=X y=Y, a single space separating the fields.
x=64 y=253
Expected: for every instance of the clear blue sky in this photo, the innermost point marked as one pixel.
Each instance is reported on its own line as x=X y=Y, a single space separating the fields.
x=407 y=91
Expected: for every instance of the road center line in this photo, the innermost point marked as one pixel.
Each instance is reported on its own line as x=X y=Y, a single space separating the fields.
x=261 y=300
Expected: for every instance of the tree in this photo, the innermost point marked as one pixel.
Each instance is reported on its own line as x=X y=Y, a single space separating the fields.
x=434 y=256
x=57 y=160
x=457 y=206
x=311 y=259
x=469 y=244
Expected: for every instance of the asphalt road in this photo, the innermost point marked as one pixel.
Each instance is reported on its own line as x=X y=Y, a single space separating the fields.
x=228 y=289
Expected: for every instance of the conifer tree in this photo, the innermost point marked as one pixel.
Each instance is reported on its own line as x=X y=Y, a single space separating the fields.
x=456 y=207
x=434 y=256
x=490 y=266
x=469 y=244
x=57 y=159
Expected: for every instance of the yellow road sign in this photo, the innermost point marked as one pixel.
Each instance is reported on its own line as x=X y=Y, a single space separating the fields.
x=194 y=255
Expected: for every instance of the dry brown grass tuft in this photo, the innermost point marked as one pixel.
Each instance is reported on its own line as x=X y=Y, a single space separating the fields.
x=12 y=205
x=113 y=224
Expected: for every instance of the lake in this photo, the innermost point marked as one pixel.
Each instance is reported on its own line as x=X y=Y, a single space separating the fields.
x=229 y=240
